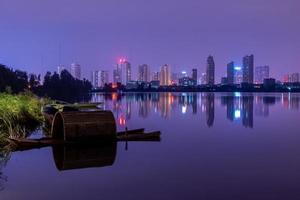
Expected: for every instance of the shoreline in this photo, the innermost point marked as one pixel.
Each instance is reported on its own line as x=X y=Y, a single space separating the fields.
x=190 y=91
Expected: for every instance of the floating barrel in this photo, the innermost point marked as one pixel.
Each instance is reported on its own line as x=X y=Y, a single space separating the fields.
x=83 y=125
x=78 y=156
x=49 y=112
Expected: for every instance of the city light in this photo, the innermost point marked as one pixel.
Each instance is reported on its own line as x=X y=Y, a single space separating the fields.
x=122 y=60
x=237 y=94
x=114 y=85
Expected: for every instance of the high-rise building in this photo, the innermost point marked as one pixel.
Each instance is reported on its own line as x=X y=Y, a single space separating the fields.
x=224 y=81
x=295 y=78
x=182 y=74
x=291 y=78
x=195 y=75
x=76 y=70
x=210 y=71
x=187 y=82
x=155 y=76
x=203 y=79
x=248 y=67
x=165 y=75
x=116 y=76
x=286 y=78
x=123 y=71
x=238 y=75
x=104 y=78
x=174 y=78
x=261 y=73
x=144 y=73
x=230 y=73
x=95 y=78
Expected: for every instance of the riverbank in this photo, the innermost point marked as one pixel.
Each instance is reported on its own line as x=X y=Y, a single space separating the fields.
x=19 y=115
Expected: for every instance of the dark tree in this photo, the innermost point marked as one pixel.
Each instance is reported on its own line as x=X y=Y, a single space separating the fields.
x=64 y=86
x=16 y=81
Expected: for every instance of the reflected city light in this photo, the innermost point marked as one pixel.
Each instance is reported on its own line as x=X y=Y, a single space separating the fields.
x=183 y=109
x=114 y=96
x=240 y=108
x=122 y=121
x=237 y=68
x=237 y=114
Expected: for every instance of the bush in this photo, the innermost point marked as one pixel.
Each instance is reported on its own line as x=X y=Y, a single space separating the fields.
x=19 y=114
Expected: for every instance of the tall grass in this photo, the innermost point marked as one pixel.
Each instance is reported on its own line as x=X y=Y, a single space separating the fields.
x=19 y=115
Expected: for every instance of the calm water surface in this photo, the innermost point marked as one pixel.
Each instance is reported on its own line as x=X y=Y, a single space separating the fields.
x=214 y=146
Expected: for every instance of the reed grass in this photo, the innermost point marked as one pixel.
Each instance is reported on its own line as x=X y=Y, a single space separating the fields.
x=19 y=115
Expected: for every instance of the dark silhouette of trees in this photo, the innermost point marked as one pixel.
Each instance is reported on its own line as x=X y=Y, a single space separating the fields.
x=64 y=86
x=55 y=86
x=34 y=81
x=12 y=81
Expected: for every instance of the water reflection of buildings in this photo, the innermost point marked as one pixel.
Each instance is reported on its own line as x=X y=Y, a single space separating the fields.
x=165 y=102
x=188 y=99
x=260 y=108
x=247 y=111
x=208 y=106
x=262 y=105
x=290 y=101
x=240 y=107
x=144 y=106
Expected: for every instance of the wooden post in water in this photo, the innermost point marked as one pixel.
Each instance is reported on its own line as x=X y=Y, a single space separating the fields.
x=126 y=142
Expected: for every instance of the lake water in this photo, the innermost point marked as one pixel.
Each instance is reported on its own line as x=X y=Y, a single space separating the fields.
x=213 y=146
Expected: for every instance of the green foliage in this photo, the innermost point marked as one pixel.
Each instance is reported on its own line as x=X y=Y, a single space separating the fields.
x=19 y=114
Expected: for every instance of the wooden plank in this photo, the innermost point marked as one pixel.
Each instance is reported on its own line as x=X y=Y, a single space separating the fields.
x=132 y=135
x=153 y=136
x=130 y=132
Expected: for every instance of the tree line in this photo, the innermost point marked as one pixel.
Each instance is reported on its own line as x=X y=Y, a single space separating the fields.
x=61 y=86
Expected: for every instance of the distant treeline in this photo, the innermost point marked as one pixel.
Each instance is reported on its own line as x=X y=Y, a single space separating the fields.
x=56 y=86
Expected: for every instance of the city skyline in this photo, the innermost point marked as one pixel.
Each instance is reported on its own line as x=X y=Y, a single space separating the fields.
x=133 y=71
x=248 y=72
x=95 y=37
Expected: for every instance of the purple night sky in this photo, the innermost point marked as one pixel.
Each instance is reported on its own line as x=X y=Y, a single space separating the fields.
x=95 y=33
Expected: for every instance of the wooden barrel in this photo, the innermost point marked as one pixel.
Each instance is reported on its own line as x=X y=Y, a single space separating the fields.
x=69 y=157
x=84 y=125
